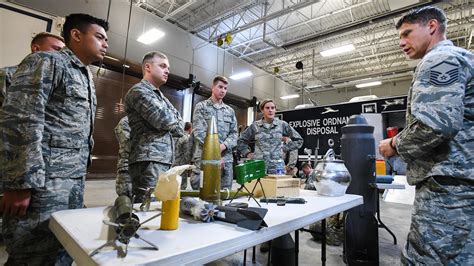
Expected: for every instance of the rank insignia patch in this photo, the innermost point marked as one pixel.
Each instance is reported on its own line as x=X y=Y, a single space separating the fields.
x=444 y=74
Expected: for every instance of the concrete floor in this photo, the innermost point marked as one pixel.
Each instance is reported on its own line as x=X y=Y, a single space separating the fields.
x=395 y=216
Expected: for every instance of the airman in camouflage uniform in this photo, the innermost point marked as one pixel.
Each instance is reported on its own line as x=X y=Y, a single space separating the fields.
x=154 y=122
x=307 y=174
x=6 y=74
x=183 y=152
x=437 y=143
x=5 y=78
x=334 y=224
x=42 y=42
x=123 y=181
x=268 y=134
x=291 y=159
x=226 y=128
x=46 y=126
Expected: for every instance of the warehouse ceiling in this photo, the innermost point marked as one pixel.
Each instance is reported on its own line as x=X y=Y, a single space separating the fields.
x=274 y=35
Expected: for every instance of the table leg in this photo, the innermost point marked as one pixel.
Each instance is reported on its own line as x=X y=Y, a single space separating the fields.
x=297 y=246
x=245 y=257
x=254 y=259
x=323 y=242
x=381 y=224
x=269 y=252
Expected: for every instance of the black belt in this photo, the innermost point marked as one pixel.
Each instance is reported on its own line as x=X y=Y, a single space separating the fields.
x=452 y=181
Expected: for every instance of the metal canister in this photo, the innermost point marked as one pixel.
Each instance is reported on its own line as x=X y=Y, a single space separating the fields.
x=331 y=177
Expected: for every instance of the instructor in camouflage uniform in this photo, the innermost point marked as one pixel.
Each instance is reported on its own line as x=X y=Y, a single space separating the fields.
x=272 y=137
x=46 y=126
x=123 y=181
x=437 y=143
x=154 y=122
x=226 y=128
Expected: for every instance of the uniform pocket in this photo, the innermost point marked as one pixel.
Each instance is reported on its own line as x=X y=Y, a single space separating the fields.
x=228 y=119
x=77 y=90
x=444 y=212
x=66 y=158
x=450 y=238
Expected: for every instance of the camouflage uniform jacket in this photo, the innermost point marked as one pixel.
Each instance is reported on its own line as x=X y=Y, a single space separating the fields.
x=226 y=127
x=122 y=133
x=268 y=140
x=184 y=146
x=154 y=122
x=439 y=137
x=47 y=120
x=291 y=158
x=6 y=74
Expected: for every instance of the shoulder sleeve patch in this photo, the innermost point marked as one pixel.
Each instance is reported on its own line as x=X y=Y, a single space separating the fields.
x=444 y=74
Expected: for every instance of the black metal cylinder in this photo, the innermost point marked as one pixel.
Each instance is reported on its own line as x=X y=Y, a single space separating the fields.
x=283 y=251
x=358 y=153
x=361 y=226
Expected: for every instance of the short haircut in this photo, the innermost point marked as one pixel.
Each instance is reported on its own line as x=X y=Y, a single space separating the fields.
x=264 y=102
x=41 y=37
x=82 y=23
x=148 y=57
x=305 y=164
x=423 y=15
x=187 y=125
x=220 y=78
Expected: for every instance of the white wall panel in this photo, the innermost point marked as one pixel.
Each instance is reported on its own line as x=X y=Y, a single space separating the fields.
x=16 y=31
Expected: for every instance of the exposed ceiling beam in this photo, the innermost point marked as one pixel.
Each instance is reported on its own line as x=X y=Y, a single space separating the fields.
x=264 y=19
x=358 y=24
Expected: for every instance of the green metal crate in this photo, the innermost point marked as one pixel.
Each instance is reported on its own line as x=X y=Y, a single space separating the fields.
x=249 y=170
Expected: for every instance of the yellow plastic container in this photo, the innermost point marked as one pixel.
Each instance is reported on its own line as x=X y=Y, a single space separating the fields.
x=170 y=214
x=380 y=167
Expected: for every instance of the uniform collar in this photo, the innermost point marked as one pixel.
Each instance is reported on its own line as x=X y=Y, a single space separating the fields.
x=441 y=44
x=262 y=122
x=72 y=56
x=150 y=86
x=215 y=105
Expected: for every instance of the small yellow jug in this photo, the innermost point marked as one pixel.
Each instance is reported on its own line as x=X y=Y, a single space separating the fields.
x=170 y=214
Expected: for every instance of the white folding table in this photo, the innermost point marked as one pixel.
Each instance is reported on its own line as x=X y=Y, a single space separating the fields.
x=81 y=231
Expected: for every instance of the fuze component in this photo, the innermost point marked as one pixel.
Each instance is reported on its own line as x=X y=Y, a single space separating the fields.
x=200 y=210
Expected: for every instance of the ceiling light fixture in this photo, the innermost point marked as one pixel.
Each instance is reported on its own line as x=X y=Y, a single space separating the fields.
x=151 y=36
x=241 y=75
x=337 y=50
x=291 y=96
x=369 y=84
